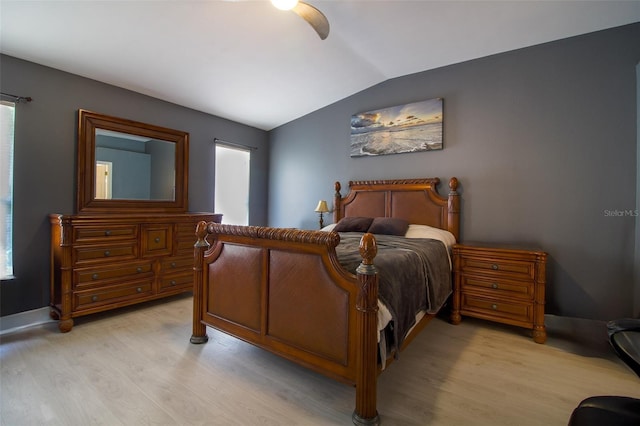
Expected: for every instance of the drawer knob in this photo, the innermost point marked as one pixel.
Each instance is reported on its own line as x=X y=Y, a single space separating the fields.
x=139 y=289
x=156 y=239
x=107 y=253
x=494 y=285
x=95 y=276
x=494 y=306
x=173 y=264
x=138 y=269
x=94 y=298
x=495 y=267
x=107 y=233
x=172 y=282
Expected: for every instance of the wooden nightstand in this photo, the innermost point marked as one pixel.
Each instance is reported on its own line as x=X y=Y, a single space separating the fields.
x=501 y=284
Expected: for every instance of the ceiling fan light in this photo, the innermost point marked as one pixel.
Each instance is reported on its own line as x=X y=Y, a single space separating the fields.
x=284 y=4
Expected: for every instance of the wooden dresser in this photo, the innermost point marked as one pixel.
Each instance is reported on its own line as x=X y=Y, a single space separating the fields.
x=500 y=284
x=105 y=261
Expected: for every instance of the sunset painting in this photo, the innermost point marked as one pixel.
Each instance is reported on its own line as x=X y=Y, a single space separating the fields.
x=406 y=128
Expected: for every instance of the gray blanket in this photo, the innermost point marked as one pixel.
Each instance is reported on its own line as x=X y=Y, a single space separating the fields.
x=413 y=273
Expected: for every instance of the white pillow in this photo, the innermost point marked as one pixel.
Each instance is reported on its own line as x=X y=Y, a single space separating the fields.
x=425 y=231
x=329 y=228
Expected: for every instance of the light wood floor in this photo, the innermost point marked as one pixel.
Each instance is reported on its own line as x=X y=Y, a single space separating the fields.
x=137 y=367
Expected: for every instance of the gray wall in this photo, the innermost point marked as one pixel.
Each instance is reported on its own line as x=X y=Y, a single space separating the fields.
x=543 y=141
x=45 y=161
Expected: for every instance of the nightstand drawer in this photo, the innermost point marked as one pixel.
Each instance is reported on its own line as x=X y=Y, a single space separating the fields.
x=504 y=267
x=498 y=287
x=522 y=312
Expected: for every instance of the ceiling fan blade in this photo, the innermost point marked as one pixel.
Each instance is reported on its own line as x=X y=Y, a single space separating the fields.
x=314 y=17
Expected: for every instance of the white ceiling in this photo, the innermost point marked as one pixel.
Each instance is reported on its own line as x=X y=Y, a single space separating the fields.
x=249 y=62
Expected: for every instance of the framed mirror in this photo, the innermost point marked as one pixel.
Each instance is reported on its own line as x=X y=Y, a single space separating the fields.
x=130 y=167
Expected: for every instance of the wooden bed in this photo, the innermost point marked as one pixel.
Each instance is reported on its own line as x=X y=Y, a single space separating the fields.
x=284 y=289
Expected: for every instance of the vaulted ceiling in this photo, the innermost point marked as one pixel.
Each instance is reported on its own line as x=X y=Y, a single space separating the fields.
x=252 y=63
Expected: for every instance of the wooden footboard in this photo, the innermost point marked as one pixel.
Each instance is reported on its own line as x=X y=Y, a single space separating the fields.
x=284 y=290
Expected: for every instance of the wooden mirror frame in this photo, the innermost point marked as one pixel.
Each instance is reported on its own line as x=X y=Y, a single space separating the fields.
x=88 y=122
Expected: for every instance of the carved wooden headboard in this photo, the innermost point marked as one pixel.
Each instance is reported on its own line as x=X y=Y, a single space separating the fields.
x=416 y=200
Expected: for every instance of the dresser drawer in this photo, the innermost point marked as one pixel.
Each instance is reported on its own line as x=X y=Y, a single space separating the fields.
x=157 y=240
x=96 y=276
x=498 y=287
x=177 y=264
x=186 y=246
x=495 y=309
x=101 y=253
x=176 y=281
x=186 y=238
x=88 y=299
x=86 y=234
x=514 y=268
x=187 y=230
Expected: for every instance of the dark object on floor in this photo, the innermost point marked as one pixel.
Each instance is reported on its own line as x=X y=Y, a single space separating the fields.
x=624 y=336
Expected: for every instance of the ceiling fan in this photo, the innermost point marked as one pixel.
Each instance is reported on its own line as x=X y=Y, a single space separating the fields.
x=313 y=16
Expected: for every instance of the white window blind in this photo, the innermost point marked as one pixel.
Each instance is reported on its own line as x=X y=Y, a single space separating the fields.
x=232 y=184
x=7 y=120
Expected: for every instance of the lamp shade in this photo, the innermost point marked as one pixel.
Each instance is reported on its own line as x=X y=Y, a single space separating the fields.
x=284 y=4
x=322 y=207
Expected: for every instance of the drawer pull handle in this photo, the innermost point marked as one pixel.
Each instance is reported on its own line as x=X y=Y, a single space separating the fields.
x=157 y=239
x=494 y=306
x=107 y=253
x=138 y=269
x=107 y=233
x=172 y=282
x=495 y=267
x=94 y=298
x=139 y=289
x=95 y=276
x=173 y=264
x=494 y=285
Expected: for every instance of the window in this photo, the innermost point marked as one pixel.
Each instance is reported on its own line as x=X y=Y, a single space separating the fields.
x=7 y=119
x=232 y=184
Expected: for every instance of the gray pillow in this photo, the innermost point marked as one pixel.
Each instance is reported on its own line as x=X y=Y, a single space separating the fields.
x=389 y=226
x=353 y=224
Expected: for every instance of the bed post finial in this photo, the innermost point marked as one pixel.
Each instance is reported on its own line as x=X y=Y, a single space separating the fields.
x=453 y=221
x=453 y=184
x=336 y=203
x=368 y=249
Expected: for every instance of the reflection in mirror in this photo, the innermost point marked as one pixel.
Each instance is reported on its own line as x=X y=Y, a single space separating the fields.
x=127 y=166
x=132 y=167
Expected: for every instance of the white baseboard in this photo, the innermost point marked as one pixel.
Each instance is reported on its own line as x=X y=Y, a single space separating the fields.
x=22 y=320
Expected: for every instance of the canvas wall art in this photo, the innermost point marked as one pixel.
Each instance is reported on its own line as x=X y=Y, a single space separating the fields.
x=412 y=127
